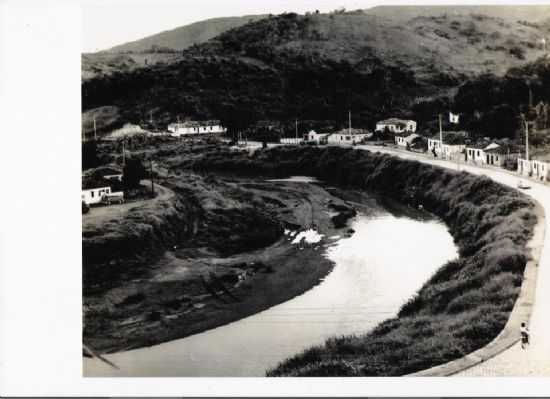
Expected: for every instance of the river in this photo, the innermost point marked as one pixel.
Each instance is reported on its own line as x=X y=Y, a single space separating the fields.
x=377 y=269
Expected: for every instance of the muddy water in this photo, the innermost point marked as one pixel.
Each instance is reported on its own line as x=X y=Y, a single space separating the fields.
x=376 y=270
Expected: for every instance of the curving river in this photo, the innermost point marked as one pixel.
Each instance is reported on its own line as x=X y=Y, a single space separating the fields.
x=377 y=269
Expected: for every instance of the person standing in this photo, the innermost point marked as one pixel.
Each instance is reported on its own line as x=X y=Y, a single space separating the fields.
x=524 y=331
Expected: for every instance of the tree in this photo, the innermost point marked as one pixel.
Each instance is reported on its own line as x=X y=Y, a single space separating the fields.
x=132 y=173
x=89 y=154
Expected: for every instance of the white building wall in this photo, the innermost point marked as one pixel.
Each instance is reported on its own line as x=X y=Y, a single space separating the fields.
x=536 y=169
x=181 y=131
x=476 y=155
x=291 y=140
x=94 y=195
x=345 y=139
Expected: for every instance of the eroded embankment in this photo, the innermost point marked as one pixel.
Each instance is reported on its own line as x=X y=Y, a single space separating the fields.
x=217 y=254
x=122 y=242
x=464 y=305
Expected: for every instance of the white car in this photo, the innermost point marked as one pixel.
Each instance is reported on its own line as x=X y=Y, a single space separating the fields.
x=523 y=185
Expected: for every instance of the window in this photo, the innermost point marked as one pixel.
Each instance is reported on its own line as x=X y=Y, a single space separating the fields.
x=478 y=153
x=92 y=194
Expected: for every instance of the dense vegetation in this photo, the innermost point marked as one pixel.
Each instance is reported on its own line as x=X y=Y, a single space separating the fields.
x=463 y=306
x=320 y=65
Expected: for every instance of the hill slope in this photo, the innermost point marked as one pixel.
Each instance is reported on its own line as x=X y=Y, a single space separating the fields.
x=185 y=36
x=161 y=48
x=318 y=66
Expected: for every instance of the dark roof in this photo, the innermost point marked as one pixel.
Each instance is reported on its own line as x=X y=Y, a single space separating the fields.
x=195 y=123
x=506 y=149
x=452 y=138
x=395 y=121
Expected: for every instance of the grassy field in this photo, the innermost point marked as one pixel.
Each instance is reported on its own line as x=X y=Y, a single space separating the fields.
x=463 y=306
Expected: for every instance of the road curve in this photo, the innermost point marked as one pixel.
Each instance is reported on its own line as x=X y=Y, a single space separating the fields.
x=514 y=361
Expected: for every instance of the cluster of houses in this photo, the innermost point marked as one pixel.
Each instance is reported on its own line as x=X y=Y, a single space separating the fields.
x=448 y=145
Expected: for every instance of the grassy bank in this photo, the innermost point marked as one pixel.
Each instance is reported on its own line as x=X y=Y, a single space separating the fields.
x=464 y=305
x=216 y=253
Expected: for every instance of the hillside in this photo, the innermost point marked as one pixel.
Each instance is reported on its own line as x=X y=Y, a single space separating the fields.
x=163 y=47
x=317 y=66
x=532 y=13
x=185 y=36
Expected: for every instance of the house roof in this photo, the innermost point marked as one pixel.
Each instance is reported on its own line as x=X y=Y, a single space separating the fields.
x=195 y=124
x=395 y=121
x=505 y=149
x=354 y=131
x=452 y=137
x=411 y=137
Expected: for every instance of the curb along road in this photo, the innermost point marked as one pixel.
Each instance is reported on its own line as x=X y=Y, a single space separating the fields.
x=503 y=356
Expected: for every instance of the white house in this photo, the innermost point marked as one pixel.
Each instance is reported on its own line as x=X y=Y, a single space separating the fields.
x=195 y=127
x=94 y=195
x=536 y=169
x=117 y=176
x=492 y=154
x=475 y=154
x=396 y=125
x=402 y=140
x=291 y=140
x=348 y=136
x=317 y=137
x=445 y=150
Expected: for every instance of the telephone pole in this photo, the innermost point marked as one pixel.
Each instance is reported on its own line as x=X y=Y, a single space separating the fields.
x=152 y=179
x=349 y=122
x=296 y=121
x=95 y=131
x=526 y=140
x=440 y=136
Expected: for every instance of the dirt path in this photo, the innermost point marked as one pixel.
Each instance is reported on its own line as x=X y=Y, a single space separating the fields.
x=101 y=214
x=534 y=361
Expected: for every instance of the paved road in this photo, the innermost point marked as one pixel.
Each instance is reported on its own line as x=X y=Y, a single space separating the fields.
x=535 y=360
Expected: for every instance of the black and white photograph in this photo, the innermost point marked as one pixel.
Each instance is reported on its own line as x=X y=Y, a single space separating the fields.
x=354 y=191
x=328 y=193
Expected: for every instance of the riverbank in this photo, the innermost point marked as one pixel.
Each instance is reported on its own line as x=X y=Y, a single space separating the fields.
x=236 y=259
x=464 y=305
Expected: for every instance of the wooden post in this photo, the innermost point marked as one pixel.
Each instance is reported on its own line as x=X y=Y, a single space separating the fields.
x=152 y=179
x=440 y=137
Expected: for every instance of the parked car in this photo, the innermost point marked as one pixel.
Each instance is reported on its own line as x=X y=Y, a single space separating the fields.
x=117 y=198
x=523 y=185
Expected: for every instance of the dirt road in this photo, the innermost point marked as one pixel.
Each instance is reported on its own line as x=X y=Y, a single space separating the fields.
x=101 y=214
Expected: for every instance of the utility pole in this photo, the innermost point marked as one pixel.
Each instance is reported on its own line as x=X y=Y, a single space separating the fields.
x=349 y=122
x=296 y=131
x=440 y=137
x=151 y=117
x=152 y=179
x=526 y=140
x=95 y=131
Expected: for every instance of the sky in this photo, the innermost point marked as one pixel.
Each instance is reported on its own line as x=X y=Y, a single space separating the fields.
x=107 y=23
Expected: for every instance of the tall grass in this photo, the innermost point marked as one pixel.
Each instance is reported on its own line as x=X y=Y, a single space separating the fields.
x=463 y=306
